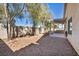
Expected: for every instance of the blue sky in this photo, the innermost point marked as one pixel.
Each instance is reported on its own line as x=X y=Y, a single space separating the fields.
x=24 y=22
x=57 y=10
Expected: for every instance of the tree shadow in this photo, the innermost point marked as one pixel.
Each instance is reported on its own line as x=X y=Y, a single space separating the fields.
x=30 y=50
x=6 y=51
x=40 y=49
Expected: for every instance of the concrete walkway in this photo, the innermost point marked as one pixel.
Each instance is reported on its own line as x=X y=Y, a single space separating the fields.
x=57 y=35
x=48 y=46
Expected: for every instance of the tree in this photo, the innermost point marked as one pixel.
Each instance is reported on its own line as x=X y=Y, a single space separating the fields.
x=6 y=17
x=34 y=10
x=1 y=11
x=45 y=15
x=39 y=13
x=14 y=10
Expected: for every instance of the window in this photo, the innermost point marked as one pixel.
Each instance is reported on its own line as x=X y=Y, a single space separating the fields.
x=70 y=26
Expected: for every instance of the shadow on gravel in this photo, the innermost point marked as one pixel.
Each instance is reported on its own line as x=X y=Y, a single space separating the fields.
x=48 y=46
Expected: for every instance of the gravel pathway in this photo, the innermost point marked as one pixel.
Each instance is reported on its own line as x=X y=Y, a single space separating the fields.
x=48 y=46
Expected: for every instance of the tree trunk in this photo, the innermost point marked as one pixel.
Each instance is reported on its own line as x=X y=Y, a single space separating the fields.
x=6 y=16
x=13 y=32
x=50 y=26
x=7 y=30
x=33 y=28
x=10 y=32
x=16 y=31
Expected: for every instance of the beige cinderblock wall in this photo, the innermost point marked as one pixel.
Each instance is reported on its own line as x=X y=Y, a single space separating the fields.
x=72 y=10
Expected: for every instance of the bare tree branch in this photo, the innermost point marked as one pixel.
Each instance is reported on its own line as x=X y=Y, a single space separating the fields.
x=18 y=12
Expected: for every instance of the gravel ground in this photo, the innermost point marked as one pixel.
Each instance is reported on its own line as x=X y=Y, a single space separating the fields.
x=48 y=46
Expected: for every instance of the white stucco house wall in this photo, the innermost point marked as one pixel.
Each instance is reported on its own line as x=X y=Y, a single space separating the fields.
x=72 y=10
